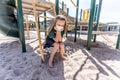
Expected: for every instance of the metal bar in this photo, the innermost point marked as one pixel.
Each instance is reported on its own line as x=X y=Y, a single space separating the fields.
x=21 y=25
x=95 y=20
x=39 y=22
x=93 y=2
x=45 y=25
x=57 y=6
x=118 y=40
x=96 y=12
x=67 y=11
x=62 y=5
x=80 y=20
x=81 y=15
x=67 y=25
x=76 y=22
x=98 y=17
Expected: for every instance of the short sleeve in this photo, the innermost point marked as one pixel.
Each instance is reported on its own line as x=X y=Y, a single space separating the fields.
x=52 y=34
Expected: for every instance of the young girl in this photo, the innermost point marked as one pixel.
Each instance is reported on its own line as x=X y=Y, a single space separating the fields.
x=54 y=38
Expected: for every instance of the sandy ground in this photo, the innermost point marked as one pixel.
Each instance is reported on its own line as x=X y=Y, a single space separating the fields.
x=100 y=63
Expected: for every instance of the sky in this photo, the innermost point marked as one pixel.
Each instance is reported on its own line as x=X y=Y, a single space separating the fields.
x=110 y=11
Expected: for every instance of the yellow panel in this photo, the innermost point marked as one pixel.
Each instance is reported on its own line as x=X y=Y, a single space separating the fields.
x=85 y=15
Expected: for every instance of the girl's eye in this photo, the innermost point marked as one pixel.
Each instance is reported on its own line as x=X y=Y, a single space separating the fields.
x=59 y=25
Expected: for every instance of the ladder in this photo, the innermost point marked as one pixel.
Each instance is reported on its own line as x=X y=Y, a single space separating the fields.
x=37 y=29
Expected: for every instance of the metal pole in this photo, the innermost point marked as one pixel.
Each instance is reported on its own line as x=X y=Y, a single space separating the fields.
x=45 y=25
x=95 y=20
x=57 y=6
x=67 y=11
x=39 y=22
x=81 y=15
x=21 y=25
x=96 y=12
x=62 y=5
x=118 y=40
x=80 y=20
x=76 y=23
x=79 y=31
x=93 y=2
x=67 y=25
x=98 y=17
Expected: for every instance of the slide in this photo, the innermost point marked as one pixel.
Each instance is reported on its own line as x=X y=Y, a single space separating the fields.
x=8 y=21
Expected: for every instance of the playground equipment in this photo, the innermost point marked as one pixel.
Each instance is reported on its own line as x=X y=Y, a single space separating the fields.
x=118 y=40
x=76 y=21
x=12 y=26
x=8 y=21
x=90 y=24
x=108 y=39
x=85 y=15
x=97 y=17
x=9 y=25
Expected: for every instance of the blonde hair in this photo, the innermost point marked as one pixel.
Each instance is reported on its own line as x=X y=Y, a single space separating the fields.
x=58 y=17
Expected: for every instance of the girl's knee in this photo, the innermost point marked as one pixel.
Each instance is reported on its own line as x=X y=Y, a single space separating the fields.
x=56 y=45
x=61 y=44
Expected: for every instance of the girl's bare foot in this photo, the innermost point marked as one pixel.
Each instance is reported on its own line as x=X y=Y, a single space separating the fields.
x=50 y=64
x=64 y=58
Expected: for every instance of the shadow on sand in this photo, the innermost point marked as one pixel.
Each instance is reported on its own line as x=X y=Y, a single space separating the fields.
x=99 y=53
x=28 y=66
x=16 y=65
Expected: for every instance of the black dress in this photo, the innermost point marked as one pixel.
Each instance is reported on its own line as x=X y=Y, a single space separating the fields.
x=49 y=40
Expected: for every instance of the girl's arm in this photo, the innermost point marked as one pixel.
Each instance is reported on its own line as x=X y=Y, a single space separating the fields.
x=58 y=37
x=58 y=34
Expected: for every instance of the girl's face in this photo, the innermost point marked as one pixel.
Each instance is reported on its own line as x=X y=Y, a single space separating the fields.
x=60 y=23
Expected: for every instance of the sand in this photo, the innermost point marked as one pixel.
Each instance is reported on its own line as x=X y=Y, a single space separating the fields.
x=100 y=63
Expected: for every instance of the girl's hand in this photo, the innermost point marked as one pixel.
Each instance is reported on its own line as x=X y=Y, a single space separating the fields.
x=61 y=30
x=55 y=28
x=55 y=39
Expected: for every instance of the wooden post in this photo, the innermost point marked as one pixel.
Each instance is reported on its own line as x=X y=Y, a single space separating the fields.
x=38 y=31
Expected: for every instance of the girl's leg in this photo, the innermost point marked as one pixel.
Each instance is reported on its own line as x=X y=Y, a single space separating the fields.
x=55 y=48
x=62 y=51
